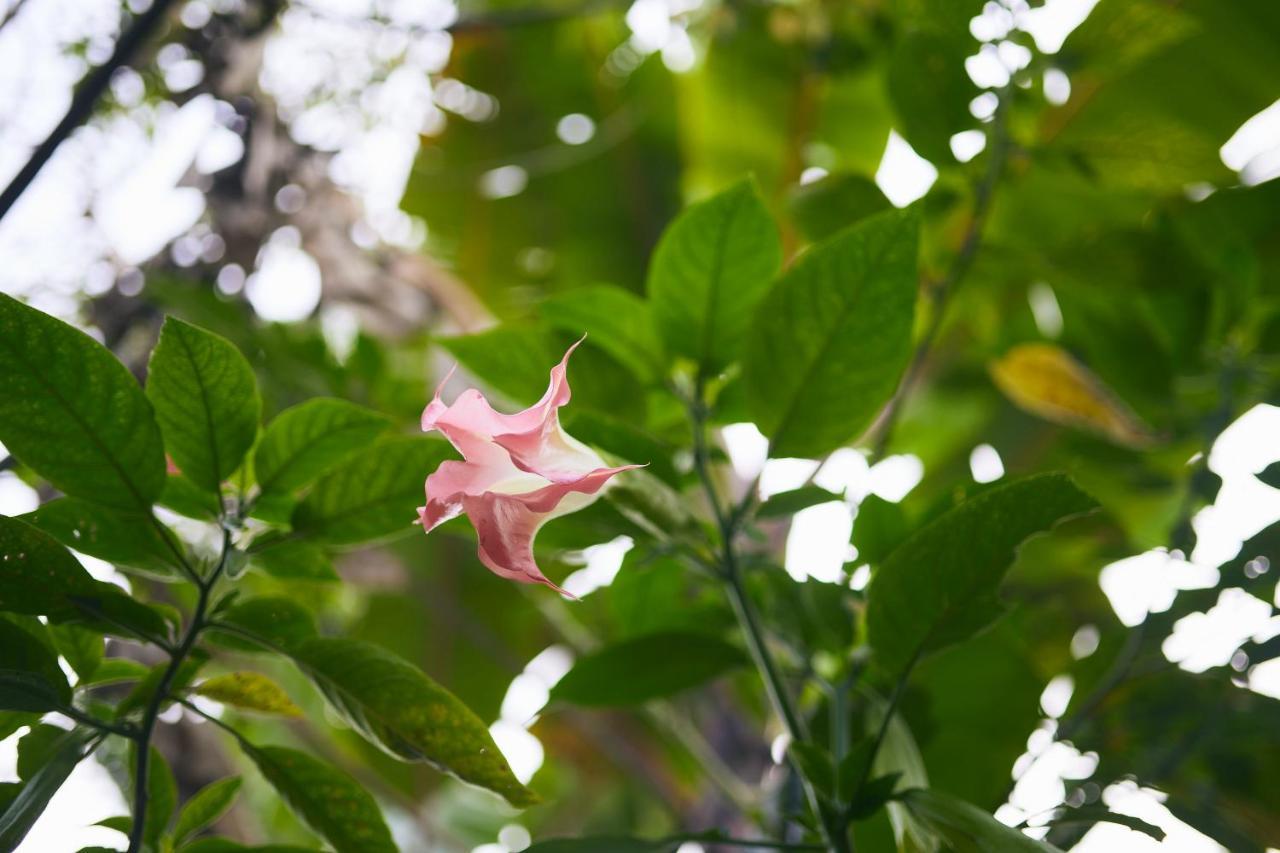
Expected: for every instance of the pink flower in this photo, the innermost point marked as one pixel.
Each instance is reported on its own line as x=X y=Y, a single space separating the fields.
x=520 y=471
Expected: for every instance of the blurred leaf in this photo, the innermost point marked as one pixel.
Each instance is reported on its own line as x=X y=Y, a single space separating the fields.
x=1271 y=475
x=30 y=678
x=971 y=707
x=206 y=400
x=816 y=766
x=617 y=321
x=327 y=800
x=878 y=528
x=708 y=272
x=305 y=441
x=1045 y=380
x=186 y=498
x=11 y=721
x=126 y=539
x=82 y=647
x=623 y=439
x=226 y=845
x=120 y=823
x=290 y=559
x=37 y=747
x=601 y=843
x=967 y=828
x=832 y=338
x=205 y=806
x=790 y=502
x=373 y=495
x=1091 y=815
x=144 y=690
x=74 y=413
x=940 y=585
x=250 y=691
x=278 y=620
x=29 y=803
x=647 y=667
x=830 y=204
x=162 y=793
x=397 y=707
x=930 y=89
x=116 y=671
x=41 y=578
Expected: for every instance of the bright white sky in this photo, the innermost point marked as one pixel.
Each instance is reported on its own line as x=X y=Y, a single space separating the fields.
x=111 y=198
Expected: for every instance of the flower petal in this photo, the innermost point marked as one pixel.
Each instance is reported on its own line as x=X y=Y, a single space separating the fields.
x=506 y=524
x=533 y=438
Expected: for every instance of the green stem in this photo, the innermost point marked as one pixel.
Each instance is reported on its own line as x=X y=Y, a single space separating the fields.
x=833 y=827
x=198 y=623
x=894 y=698
x=998 y=140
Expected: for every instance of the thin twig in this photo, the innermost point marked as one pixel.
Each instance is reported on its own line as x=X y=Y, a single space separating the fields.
x=960 y=266
x=85 y=99
x=198 y=623
x=12 y=13
x=834 y=829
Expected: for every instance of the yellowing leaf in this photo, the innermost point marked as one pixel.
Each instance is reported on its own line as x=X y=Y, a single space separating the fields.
x=251 y=691
x=1046 y=381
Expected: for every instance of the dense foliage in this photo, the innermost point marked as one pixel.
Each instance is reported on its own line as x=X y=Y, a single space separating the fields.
x=1093 y=293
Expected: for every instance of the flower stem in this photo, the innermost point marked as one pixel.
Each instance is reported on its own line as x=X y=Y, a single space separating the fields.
x=833 y=827
x=204 y=587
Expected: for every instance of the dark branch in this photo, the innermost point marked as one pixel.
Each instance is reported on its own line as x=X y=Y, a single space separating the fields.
x=85 y=100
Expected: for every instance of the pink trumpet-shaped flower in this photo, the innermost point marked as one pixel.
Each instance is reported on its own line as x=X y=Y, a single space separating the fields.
x=519 y=471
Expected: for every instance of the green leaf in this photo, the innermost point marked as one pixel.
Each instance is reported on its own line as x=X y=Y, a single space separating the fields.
x=305 y=441
x=8 y=793
x=75 y=414
x=250 y=691
x=39 y=577
x=277 y=620
x=832 y=338
x=602 y=843
x=373 y=495
x=327 y=800
x=816 y=766
x=11 y=721
x=162 y=793
x=397 y=707
x=646 y=667
x=120 y=823
x=878 y=528
x=116 y=671
x=124 y=538
x=206 y=400
x=617 y=321
x=1271 y=475
x=1090 y=815
x=30 y=678
x=709 y=271
x=967 y=828
x=826 y=206
x=141 y=694
x=930 y=90
x=293 y=560
x=186 y=498
x=792 y=501
x=82 y=647
x=205 y=806
x=36 y=748
x=939 y=586
x=29 y=803
x=226 y=845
